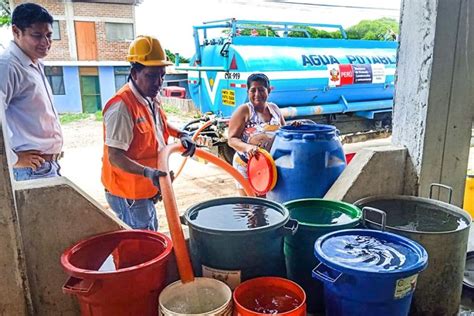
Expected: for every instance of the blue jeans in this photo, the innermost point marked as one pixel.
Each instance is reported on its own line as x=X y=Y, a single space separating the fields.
x=48 y=169
x=138 y=214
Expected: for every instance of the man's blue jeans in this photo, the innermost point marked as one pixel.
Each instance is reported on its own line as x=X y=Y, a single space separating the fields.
x=138 y=214
x=48 y=169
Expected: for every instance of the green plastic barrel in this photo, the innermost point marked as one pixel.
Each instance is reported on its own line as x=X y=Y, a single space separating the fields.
x=316 y=217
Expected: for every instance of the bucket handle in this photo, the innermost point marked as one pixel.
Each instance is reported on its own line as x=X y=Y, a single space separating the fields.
x=290 y=227
x=447 y=187
x=382 y=214
x=322 y=271
x=71 y=286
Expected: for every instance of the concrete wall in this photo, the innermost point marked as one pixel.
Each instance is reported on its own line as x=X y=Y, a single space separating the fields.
x=54 y=214
x=184 y=105
x=368 y=175
x=433 y=107
x=38 y=220
x=15 y=296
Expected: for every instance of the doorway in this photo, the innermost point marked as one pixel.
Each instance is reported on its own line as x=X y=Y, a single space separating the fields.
x=90 y=89
x=86 y=40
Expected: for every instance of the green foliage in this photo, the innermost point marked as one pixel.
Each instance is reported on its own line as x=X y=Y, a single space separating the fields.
x=380 y=29
x=5 y=13
x=98 y=116
x=298 y=31
x=66 y=118
x=246 y=30
x=172 y=57
x=169 y=109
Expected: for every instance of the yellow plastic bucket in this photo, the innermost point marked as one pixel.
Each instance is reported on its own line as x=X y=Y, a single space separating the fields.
x=469 y=195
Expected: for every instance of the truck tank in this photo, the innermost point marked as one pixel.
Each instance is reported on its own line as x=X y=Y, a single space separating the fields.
x=309 y=76
x=348 y=83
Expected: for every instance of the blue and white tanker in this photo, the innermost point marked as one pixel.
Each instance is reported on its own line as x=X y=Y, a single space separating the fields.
x=323 y=79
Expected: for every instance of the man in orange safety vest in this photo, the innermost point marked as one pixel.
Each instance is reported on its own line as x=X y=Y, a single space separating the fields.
x=135 y=128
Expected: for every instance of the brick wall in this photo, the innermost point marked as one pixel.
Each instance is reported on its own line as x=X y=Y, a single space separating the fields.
x=60 y=48
x=108 y=50
x=103 y=10
x=55 y=7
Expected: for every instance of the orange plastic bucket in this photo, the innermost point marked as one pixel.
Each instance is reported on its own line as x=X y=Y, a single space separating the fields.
x=269 y=295
x=118 y=273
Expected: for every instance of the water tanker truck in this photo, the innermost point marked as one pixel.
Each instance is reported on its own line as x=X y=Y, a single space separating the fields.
x=348 y=83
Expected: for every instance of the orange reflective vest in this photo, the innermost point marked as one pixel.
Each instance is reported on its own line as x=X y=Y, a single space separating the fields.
x=143 y=149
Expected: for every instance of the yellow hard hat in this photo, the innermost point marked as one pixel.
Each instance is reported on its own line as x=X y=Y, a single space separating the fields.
x=147 y=50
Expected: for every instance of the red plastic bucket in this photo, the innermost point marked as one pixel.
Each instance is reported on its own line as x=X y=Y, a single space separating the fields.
x=269 y=295
x=118 y=273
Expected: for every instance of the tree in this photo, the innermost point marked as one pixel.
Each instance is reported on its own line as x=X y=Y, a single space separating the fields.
x=297 y=31
x=172 y=57
x=380 y=29
x=253 y=30
x=248 y=30
x=5 y=13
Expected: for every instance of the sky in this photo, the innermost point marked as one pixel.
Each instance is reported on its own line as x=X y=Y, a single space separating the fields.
x=172 y=21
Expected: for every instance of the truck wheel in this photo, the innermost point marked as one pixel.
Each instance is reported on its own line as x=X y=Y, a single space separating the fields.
x=226 y=152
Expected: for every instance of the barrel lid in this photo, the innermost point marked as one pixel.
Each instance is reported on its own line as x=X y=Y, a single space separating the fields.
x=365 y=251
x=321 y=213
x=307 y=128
x=262 y=172
x=237 y=215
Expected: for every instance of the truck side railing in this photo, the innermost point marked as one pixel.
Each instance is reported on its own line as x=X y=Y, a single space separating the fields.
x=234 y=26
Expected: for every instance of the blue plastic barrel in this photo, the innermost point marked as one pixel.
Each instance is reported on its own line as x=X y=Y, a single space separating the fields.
x=368 y=272
x=309 y=158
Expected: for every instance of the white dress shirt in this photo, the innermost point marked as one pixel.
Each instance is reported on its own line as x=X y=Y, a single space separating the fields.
x=26 y=96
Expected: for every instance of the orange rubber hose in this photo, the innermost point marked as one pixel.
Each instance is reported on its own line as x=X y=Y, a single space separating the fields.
x=195 y=136
x=171 y=209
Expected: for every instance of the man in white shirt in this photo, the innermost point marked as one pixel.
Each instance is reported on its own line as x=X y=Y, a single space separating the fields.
x=35 y=135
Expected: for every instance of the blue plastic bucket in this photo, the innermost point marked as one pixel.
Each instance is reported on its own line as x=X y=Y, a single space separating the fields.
x=309 y=158
x=368 y=272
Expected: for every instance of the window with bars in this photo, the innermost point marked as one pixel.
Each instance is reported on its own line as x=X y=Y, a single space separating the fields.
x=121 y=76
x=117 y=32
x=56 y=79
x=56 y=31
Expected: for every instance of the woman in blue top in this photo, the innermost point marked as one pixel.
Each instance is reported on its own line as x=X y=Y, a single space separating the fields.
x=253 y=124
